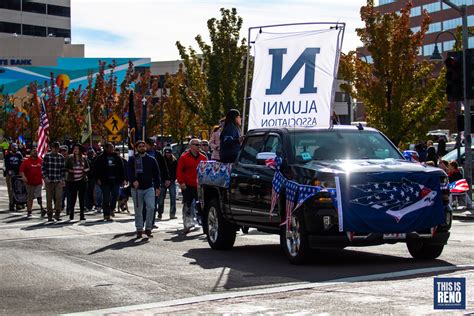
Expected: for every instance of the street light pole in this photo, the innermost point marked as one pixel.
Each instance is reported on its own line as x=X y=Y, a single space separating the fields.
x=467 y=107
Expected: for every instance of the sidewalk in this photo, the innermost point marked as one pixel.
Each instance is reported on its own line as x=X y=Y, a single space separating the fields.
x=464 y=214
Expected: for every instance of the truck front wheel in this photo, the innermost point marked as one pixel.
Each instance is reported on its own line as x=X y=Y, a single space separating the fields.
x=294 y=240
x=220 y=234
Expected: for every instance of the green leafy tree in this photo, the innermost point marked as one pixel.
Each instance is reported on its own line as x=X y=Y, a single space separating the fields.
x=222 y=68
x=401 y=95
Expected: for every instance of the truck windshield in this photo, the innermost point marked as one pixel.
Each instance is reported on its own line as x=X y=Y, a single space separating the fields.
x=342 y=144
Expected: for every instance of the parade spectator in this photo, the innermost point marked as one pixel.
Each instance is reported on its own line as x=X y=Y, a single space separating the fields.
x=54 y=175
x=214 y=141
x=110 y=176
x=421 y=150
x=164 y=175
x=186 y=175
x=171 y=165
x=64 y=150
x=441 y=147
x=144 y=175
x=12 y=164
x=454 y=174
x=230 y=138
x=77 y=167
x=90 y=184
x=30 y=171
x=205 y=149
x=431 y=153
x=122 y=187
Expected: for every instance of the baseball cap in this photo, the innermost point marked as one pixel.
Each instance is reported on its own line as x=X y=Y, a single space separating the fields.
x=64 y=147
x=168 y=150
x=14 y=145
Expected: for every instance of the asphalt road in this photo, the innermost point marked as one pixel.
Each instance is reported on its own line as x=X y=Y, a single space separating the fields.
x=53 y=268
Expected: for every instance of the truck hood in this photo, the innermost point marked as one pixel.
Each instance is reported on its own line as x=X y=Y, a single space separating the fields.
x=368 y=166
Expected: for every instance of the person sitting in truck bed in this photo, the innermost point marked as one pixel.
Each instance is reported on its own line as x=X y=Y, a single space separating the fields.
x=230 y=138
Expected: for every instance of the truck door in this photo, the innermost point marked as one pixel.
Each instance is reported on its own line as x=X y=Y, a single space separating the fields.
x=241 y=190
x=262 y=183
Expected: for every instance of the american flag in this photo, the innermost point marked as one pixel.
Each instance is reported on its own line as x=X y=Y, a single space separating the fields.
x=394 y=198
x=43 y=131
x=305 y=192
x=459 y=186
x=278 y=183
x=291 y=193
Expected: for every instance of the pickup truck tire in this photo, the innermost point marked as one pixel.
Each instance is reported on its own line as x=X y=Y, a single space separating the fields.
x=422 y=250
x=295 y=242
x=220 y=234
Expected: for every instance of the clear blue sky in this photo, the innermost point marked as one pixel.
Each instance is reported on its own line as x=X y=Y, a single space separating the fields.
x=150 y=28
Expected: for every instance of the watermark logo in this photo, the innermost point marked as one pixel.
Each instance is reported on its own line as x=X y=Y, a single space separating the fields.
x=449 y=293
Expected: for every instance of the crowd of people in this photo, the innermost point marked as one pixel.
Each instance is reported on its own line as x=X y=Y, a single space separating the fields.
x=102 y=181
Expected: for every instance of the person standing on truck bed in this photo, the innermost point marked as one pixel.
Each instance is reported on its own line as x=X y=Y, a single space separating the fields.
x=186 y=174
x=230 y=138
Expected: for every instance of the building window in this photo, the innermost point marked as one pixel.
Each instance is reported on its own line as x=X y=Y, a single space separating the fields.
x=34 y=30
x=434 y=27
x=462 y=2
x=33 y=7
x=416 y=29
x=470 y=42
x=448 y=45
x=470 y=20
x=341 y=97
x=382 y=2
x=452 y=24
x=416 y=11
x=10 y=4
x=432 y=7
x=59 y=10
x=6 y=27
x=58 y=32
x=428 y=49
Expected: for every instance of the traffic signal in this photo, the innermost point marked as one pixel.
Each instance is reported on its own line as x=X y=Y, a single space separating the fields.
x=454 y=76
x=470 y=73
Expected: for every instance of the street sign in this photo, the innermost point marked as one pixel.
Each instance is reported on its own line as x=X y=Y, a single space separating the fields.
x=114 y=124
x=114 y=138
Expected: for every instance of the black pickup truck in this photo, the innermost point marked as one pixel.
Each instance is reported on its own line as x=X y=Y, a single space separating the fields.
x=319 y=157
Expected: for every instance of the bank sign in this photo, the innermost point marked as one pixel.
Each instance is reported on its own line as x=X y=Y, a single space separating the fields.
x=293 y=78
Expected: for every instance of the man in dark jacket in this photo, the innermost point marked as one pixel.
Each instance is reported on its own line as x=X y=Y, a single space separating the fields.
x=164 y=174
x=144 y=175
x=171 y=164
x=230 y=138
x=110 y=174
x=12 y=168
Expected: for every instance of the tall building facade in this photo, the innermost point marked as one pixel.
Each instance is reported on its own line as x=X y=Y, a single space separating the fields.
x=35 y=18
x=443 y=18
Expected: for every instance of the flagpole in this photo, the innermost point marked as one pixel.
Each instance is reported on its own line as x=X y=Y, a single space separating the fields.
x=90 y=124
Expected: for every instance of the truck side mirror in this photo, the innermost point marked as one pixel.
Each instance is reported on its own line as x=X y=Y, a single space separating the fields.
x=262 y=157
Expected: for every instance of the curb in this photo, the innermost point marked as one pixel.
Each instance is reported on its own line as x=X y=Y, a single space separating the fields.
x=466 y=214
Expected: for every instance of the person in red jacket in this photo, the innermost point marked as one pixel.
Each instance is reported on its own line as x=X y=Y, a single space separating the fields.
x=186 y=174
x=30 y=171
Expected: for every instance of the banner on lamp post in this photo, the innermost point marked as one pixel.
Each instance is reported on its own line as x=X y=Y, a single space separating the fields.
x=293 y=78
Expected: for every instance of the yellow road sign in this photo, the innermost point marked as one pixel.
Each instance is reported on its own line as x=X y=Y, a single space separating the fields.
x=114 y=124
x=114 y=138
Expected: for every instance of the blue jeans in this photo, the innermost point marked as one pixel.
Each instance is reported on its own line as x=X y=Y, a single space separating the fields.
x=141 y=198
x=98 y=195
x=172 y=189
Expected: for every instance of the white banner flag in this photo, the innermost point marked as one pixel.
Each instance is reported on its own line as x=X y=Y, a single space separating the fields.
x=293 y=79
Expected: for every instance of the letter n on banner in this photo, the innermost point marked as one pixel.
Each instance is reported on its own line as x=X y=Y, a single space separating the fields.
x=293 y=78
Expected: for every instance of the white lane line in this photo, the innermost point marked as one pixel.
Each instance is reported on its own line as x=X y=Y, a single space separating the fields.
x=280 y=289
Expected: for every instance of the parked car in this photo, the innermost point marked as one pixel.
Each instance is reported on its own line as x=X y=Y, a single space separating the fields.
x=360 y=162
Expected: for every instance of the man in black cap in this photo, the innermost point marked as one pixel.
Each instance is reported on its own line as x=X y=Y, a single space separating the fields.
x=110 y=174
x=171 y=165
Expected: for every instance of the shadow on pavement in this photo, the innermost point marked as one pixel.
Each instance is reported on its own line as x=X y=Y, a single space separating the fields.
x=180 y=236
x=134 y=242
x=261 y=265
x=19 y=218
x=48 y=225
x=129 y=234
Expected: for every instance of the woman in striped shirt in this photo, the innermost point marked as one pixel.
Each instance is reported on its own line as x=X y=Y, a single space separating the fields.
x=76 y=166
